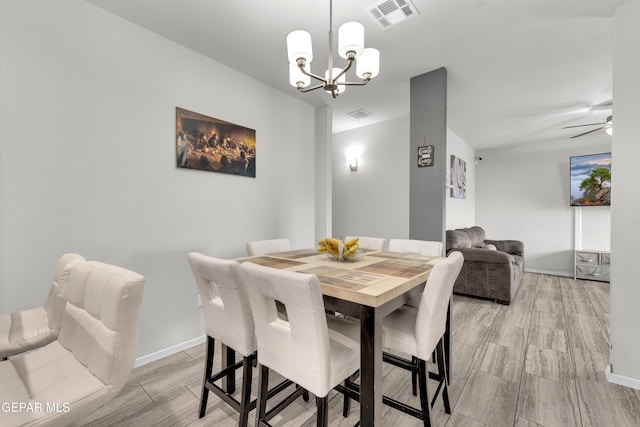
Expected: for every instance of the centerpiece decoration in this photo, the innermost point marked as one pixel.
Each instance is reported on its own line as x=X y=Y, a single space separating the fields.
x=342 y=251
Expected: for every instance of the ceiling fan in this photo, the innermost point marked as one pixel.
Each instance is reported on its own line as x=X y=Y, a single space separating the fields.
x=607 y=125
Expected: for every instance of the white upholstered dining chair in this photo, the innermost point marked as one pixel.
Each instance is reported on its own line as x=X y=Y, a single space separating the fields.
x=371 y=243
x=25 y=330
x=92 y=357
x=418 y=332
x=261 y=247
x=422 y=247
x=228 y=319
x=315 y=351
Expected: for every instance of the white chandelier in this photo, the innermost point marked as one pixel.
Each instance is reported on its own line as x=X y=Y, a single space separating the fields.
x=350 y=47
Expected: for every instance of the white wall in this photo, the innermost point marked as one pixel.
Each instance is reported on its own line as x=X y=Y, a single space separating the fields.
x=523 y=194
x=88 y=163
x=374 y=201
x=625 y=232
x=461 y=213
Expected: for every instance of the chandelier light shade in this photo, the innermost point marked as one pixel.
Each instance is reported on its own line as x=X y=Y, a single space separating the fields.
x=299 y=46
x=350 y=39
x=297 y=77
x=368 y=63
x=350 y=47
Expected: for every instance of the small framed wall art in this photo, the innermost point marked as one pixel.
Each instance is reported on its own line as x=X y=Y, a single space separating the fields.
x=458 y=178
x=214 y=145
x=425 y=156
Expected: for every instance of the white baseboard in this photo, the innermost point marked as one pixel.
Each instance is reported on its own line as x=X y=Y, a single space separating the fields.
x=143 y=360
x=549 y=272
x=621 y=380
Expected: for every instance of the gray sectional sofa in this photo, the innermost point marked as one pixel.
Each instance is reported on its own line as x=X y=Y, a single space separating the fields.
x=492 y=268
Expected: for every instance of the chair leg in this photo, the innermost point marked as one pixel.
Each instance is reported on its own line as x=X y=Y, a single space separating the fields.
x=425 y=406
x=263 y=391
x=228 y=359
x=208 y=369
x=349 y=383
x=346 y=403
x=442 y=372
x=245 y=399
x=322 y=419
x=446 y=343
x=414 y=377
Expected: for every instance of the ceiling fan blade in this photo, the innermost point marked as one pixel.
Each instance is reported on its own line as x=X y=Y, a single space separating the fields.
x=587 y=132
x=588 y=124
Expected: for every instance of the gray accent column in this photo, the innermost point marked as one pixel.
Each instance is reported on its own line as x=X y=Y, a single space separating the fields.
x=428 y=117
x=323 y=163
x=625 y=204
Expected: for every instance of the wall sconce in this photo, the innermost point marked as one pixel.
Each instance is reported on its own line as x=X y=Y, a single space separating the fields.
x=352 y=162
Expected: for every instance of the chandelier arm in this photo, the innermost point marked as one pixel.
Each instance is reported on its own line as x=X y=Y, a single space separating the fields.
x=344 y=70
x=309 y=89
x=362 y=83
x=301 y=64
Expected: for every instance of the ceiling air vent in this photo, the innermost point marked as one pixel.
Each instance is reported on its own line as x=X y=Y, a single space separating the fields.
x=360 y=114
x=390 y=12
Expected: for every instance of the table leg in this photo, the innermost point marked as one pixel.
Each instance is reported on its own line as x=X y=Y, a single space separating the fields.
x=228 y=359
x=370 y=367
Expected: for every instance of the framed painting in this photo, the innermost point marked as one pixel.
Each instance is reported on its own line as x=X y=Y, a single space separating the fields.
x=458 y=178
x=590 y=180
x=214 y=145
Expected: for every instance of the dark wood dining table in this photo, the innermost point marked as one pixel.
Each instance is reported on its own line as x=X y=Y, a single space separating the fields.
x=367 y=289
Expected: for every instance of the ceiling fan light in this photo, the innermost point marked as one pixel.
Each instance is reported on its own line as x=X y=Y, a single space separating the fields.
x=299 y=46
x=350 y=38
x=368 y=63
x=609 y=130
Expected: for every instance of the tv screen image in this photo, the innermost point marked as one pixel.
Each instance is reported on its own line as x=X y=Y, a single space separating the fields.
x=591 y=180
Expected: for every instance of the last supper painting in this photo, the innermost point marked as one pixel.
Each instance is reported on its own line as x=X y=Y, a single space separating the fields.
x=214 y=145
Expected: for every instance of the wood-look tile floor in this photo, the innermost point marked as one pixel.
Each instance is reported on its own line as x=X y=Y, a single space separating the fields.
x=537 y=362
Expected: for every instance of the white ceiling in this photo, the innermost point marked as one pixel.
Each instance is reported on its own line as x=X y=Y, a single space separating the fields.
x=518 y=70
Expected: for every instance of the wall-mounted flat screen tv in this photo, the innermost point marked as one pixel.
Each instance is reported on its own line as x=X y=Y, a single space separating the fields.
x=591 y=180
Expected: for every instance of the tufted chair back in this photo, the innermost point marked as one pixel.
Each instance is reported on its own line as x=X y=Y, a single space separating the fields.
x=28 y=329
x=54 y=305
x=100 y=323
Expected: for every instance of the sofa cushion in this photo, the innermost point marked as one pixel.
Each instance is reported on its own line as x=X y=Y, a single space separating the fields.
x=514 y=247
x=457 y=239
x=477 y=236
